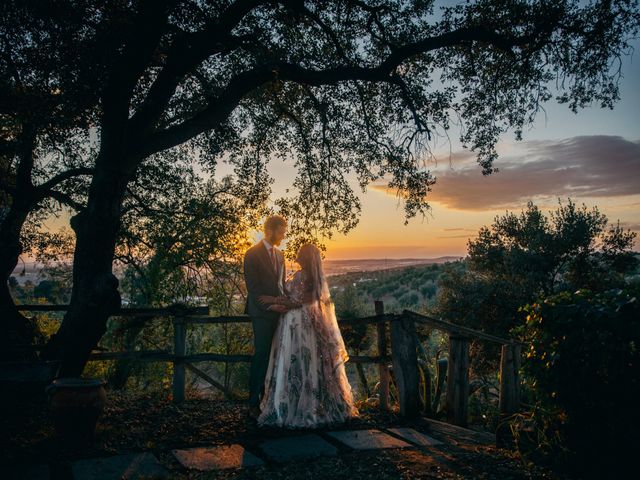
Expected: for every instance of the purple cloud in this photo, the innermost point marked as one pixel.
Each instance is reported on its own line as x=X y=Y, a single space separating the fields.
x=578 y=167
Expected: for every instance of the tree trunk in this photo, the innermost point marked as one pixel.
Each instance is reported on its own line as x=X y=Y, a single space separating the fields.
x=19 y=330
x=123 y=366
x=95 y=289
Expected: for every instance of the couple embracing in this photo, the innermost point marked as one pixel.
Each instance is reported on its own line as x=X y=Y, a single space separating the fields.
x=297 y=377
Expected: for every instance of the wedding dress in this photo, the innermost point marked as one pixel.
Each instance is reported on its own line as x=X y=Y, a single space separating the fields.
x=306 y=384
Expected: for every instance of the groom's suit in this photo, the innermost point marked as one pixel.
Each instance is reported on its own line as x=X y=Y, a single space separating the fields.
x=262 y=278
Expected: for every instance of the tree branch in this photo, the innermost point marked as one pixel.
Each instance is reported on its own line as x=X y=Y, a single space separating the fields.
x=66 y=175
x=184 y=55
x=64 y=198
x=406 y=95
x=298 y=6
x=240 y=85
x=149 y=23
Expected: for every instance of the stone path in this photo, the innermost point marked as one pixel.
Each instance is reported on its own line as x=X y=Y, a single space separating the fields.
x=126 y=467
x=215 y=457
x=368 y=439
x=143 y=465
x=297 y=448
x=415 y=437
x=301 y=447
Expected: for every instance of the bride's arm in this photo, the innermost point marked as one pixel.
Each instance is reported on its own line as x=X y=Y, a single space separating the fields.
x=306 y=297
x=288 y=303
x=268 y=300
x=296 y=297
x=281 y=301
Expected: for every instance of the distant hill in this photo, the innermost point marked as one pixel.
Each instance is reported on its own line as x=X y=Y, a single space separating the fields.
x=32 y=271
x=413 y=285
x=28 y=272
x=338 y=267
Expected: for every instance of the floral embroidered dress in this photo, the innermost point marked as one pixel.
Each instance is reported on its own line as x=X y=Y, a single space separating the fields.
x=306 y=384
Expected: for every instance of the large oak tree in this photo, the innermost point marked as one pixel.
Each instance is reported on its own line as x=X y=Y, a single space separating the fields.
x=47 y=104
x=337 y=87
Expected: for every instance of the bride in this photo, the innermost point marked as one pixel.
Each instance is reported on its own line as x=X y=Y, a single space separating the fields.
x=306 y=384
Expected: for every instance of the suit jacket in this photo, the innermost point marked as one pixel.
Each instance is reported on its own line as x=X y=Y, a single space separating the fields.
x=261 y=279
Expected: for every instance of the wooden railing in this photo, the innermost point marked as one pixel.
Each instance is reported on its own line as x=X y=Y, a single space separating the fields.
x=402 y=355
x=457 y=393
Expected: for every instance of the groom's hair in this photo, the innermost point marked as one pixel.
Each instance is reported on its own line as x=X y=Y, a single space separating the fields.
x=274 y=221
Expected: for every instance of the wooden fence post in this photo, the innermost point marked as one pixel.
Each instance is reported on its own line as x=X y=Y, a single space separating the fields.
x=179 y=350
x=382 y=351
x=405 y=365
x=458 y=380
x=509 y=402
x=510 y=379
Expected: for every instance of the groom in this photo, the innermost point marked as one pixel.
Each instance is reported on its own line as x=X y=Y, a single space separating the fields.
x=264 y=273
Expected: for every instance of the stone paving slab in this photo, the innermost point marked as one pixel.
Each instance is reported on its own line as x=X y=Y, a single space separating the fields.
x=125 y=467
x=216 y=458
x=298 y=448
x=455 y=434
x=367 y=439
x=416 y=437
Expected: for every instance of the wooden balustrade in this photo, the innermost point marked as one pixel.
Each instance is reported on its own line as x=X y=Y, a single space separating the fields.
x=383 y=368
x=402 y=358
x=405 y=365
x=458 y=380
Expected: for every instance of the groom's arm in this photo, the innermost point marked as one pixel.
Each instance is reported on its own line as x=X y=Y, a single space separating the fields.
x=254 y=287
x=284 y=270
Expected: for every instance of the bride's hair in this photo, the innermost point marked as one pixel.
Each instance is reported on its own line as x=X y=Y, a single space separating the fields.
x=322 y=309
x=311 y=262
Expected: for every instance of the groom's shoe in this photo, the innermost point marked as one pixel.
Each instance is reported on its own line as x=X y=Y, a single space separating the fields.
x=254 y=411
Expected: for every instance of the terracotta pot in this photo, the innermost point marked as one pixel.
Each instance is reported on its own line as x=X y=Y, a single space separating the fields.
x=76 y=404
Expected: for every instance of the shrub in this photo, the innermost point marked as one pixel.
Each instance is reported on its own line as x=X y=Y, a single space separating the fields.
x=584 y=367
x=409 y=299
x=429 y=289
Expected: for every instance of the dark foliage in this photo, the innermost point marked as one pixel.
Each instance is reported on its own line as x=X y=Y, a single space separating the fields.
x=583 y=366
x=522 y=257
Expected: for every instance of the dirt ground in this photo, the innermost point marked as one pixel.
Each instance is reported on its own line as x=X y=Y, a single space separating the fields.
x=150 y=422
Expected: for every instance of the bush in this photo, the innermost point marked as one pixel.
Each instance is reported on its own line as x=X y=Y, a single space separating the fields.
x=409 y=299
x=401 y=291
x=584 y=367
x=429 y=289
x=521 y=257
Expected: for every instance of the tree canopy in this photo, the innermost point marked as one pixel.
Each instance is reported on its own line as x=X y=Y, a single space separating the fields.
x=523 y=257
x=339 y=88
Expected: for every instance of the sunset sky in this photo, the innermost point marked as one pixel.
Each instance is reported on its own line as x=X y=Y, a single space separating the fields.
x=592 y=157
